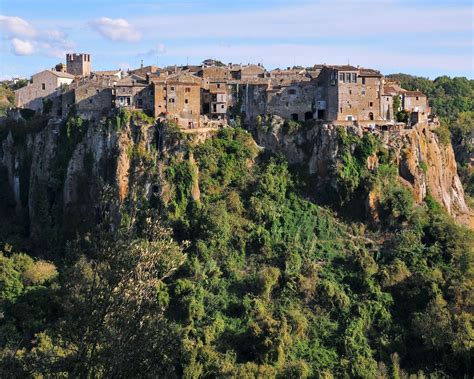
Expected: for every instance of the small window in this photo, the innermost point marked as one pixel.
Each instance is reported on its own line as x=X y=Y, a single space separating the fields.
x=171 y=100
x=371 y=104
x=185 y=101
x=129 y=101
x=222 y=106
x=350 y=92
x=164 y=98
x=354 y=78
x=218 y=85
x=171 y=88
x=187 y=89
x=292 y=91
x=417 y=98
x=43 y=86
x=348 y=77
x=341 y=77
x=90 y=101
x=363 y=80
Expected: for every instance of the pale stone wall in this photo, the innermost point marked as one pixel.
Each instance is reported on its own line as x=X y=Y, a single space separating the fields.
x=43 y=85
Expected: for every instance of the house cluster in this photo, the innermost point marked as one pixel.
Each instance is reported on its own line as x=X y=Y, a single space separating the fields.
x=212 y=94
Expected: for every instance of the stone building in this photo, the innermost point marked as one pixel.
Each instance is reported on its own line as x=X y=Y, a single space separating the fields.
x=178 y=98
x=251 y=71
x=44 y=85
x=78 y=64
x=134 y=92
x=348 y=93
x=415 y=101
x=91 y=99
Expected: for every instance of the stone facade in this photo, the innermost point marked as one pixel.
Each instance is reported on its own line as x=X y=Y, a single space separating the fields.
x=178 y=98
x=415 y=101
x=347 y=93
x=46 y=84
x=90 y=99
x=134 y=92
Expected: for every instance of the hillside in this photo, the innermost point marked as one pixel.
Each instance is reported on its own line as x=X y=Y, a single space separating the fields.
x=163 y=254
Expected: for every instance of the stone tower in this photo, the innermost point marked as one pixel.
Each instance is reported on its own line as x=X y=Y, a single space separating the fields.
x=78 y=64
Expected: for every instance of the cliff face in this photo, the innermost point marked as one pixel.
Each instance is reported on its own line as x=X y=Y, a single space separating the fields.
x=425 y=165
x=56 y=179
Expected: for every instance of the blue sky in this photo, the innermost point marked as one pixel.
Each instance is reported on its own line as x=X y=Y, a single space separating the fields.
x=427 y=38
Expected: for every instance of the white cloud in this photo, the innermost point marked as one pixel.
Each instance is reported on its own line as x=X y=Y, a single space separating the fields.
x=25 y=39
x=22 y=47
x=117 y=29
x=16 y=27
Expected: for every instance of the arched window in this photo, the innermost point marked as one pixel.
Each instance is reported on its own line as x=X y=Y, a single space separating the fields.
x=371 y=116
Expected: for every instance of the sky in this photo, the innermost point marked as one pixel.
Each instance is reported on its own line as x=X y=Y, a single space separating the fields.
x=418 y=37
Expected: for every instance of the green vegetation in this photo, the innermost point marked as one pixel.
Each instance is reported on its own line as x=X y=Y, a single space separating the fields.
x=251 y=280
x=7 y=99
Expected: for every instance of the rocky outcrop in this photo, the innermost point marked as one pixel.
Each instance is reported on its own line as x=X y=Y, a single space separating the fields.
x=425 y=165
x=429 y=167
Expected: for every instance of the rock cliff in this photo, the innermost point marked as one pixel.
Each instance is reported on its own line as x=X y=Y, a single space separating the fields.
x=425 y=165
x=56 y=174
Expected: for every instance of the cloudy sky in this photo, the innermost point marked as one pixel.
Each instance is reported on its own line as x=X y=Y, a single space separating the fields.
x=427 y=38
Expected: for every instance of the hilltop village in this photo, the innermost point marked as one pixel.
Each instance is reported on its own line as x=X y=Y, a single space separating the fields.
x=214 y=94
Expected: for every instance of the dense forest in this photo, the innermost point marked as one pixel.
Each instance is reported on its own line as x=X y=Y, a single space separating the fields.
x=254 y=277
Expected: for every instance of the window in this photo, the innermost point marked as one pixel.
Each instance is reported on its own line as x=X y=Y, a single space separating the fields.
x=171 y=100
x=341 y=77
x=350 y=92
x=417 y=98
x=43 y=86
x=222 y=106
x=90 y=101
x=292 y=91
x=354 y=78
x=164 y=98
x=129 y=101
x=218 y=85
x=371 y=104
x=348 y=77
x=187 y=89
x=185 y=101
x=171 y=88
x=363 y=80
